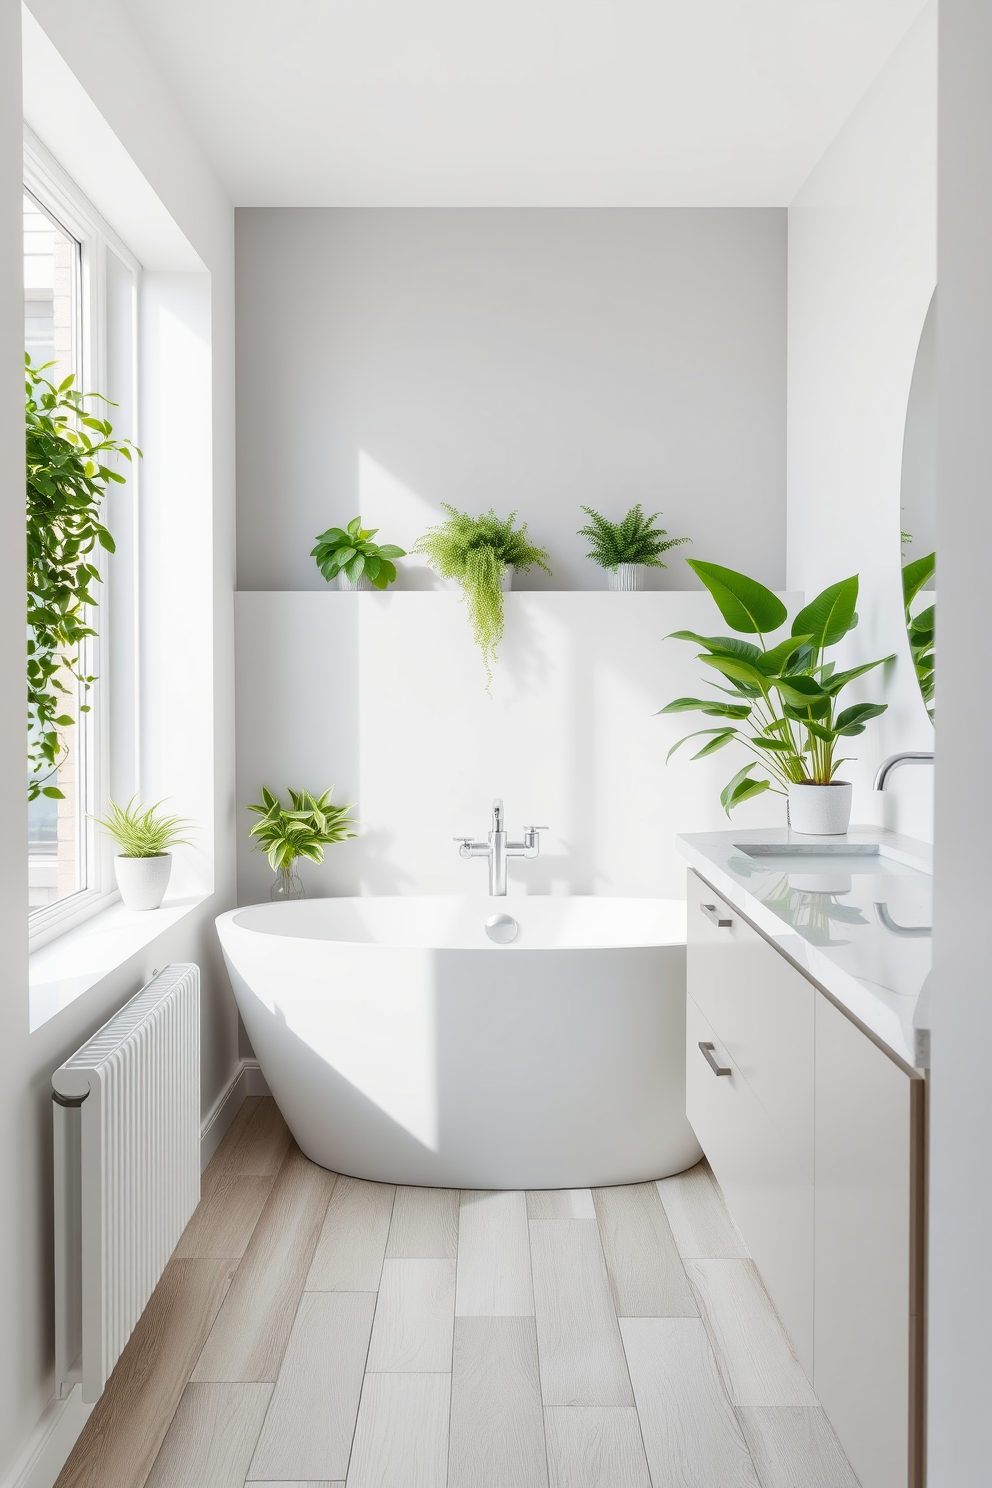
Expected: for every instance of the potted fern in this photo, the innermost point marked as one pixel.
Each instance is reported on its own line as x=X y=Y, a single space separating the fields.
x=301 y=830
x=625 y=548
x=349 y=555
x=780 y=702
x=146 y=839
x=481 y=554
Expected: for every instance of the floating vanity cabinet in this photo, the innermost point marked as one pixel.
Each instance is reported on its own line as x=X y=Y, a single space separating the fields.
x=755 y=1122
x=868 y=1318
x=816 y=1136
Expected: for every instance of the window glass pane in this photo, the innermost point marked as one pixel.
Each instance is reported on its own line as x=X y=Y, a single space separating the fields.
x=56 y=828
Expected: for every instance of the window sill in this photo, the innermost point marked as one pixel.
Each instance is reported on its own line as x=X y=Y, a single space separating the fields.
x=70 y=965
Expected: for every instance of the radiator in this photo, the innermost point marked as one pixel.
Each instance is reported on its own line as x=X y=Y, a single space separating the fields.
x=127 y=1171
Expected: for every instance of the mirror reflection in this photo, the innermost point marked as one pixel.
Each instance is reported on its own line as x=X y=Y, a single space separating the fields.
x=919 y=509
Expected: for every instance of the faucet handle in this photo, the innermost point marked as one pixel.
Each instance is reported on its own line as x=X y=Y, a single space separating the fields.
x=537 y=829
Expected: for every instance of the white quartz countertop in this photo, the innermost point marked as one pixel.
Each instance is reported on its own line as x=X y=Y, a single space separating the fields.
x=859 y=925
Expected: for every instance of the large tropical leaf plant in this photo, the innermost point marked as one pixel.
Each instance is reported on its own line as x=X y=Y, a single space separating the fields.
x=922 y=626
x=779 y=701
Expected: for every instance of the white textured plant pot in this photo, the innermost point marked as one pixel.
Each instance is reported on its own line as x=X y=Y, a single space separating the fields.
x=626 y=576
x=506 y=580
x=820 y=810
x=361 y=583
x=143 y=881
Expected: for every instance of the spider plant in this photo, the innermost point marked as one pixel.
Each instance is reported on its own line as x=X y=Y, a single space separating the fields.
x=783 y=698
x=141 y=831
x=301 y=830
x=635 y=539
x=477 y=551
x=351 y=551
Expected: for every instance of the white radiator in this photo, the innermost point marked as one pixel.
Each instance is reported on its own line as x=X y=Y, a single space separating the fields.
x=127 y=1171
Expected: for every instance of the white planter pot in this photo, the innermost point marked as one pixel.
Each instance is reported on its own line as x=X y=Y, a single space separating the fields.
x=362 y=584
x=626 y=576
x=820 y=810
x=506 y=581
x=143 y=881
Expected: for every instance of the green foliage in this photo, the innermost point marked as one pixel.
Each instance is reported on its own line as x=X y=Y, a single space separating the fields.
x=67 y=478
x=350 y=550
x=302 y=830
x=476 y=551
x=140 y=832
x=634 y=540
x=921 y=627
x=783 y=706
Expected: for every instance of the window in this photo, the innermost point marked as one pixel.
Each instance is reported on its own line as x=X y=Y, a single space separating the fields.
x=80 y=288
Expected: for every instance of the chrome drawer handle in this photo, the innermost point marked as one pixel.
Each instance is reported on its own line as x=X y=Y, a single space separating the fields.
x=712 y=913
x=707 y=1052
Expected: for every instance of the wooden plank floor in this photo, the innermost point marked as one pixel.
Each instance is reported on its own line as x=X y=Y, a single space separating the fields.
x=315 y=1331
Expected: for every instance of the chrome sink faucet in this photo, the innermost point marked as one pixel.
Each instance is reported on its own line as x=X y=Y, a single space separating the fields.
x=497 y=849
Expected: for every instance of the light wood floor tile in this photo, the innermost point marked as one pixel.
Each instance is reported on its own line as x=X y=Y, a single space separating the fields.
x=311 y=1483
x=353 y=1239
x=647 y=1276
x=795 y=1444
x=593 y=1446
x=263 y=1143
x=224 y=1222
x=311 y=1420
x=212 y=1437
x=497 y=1427
x=691 y=1434
x=560 y=1203
x=121 y=1439
x=493 y=1256
x=698 y=1216
x=752 y=1348
x=401 y=1440
x=414 y=1317
x=582 y=1361
x=424 y=1225
x=248 y=1340
x=228 y=1142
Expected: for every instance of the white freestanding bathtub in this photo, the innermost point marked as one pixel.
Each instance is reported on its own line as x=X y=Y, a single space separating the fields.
x=404 y=1046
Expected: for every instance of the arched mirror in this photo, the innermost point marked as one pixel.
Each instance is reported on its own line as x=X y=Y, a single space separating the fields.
x=919 y=509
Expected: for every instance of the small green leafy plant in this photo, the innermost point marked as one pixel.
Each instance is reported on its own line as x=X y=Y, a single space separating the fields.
x=141 y=831
x=783 y=698
x=349 y=550
x=476 y=551
x=301 y=830
x=633 y=540
x=67 y=479
x=921 y=627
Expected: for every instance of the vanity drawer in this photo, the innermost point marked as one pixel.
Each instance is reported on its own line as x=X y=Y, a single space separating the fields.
x=767 y=1191
x=760 y=1008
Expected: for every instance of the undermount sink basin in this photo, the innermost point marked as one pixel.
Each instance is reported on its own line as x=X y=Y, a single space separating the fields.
x=820 y=854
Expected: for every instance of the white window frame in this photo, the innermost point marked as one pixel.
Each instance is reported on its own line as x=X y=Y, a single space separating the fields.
x=113 y=698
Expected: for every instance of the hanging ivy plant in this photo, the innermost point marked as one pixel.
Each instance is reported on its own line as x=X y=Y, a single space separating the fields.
x=66 y=481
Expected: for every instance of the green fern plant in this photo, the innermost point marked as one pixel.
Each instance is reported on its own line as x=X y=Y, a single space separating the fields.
x=141 y=832
x=634 y=540
x=301 y=830
x=476 y=551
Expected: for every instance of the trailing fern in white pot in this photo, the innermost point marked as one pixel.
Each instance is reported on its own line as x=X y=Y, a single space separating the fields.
x=146 y=838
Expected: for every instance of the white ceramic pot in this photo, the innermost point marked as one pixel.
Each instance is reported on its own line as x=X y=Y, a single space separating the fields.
x=626 y=576
x=506 y=580
x=362 y=582
x=820 y=810
x=143 y=881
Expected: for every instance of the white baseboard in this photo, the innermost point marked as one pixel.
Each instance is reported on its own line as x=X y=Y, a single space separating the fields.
x=249 y=1080
x=53 y=1438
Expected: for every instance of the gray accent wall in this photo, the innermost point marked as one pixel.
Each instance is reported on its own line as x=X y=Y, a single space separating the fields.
x=390 y=360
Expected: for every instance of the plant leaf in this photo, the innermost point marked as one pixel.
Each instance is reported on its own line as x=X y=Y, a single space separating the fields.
x=746 y=605
x=829 y=617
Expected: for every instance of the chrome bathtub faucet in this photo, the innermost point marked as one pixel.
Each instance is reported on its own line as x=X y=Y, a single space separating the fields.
x=498 y=849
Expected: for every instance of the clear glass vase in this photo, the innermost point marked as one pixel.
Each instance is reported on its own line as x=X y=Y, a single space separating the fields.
x=287 y=884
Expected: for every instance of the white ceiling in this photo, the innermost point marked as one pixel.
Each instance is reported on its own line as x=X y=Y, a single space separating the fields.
x=614 y=103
